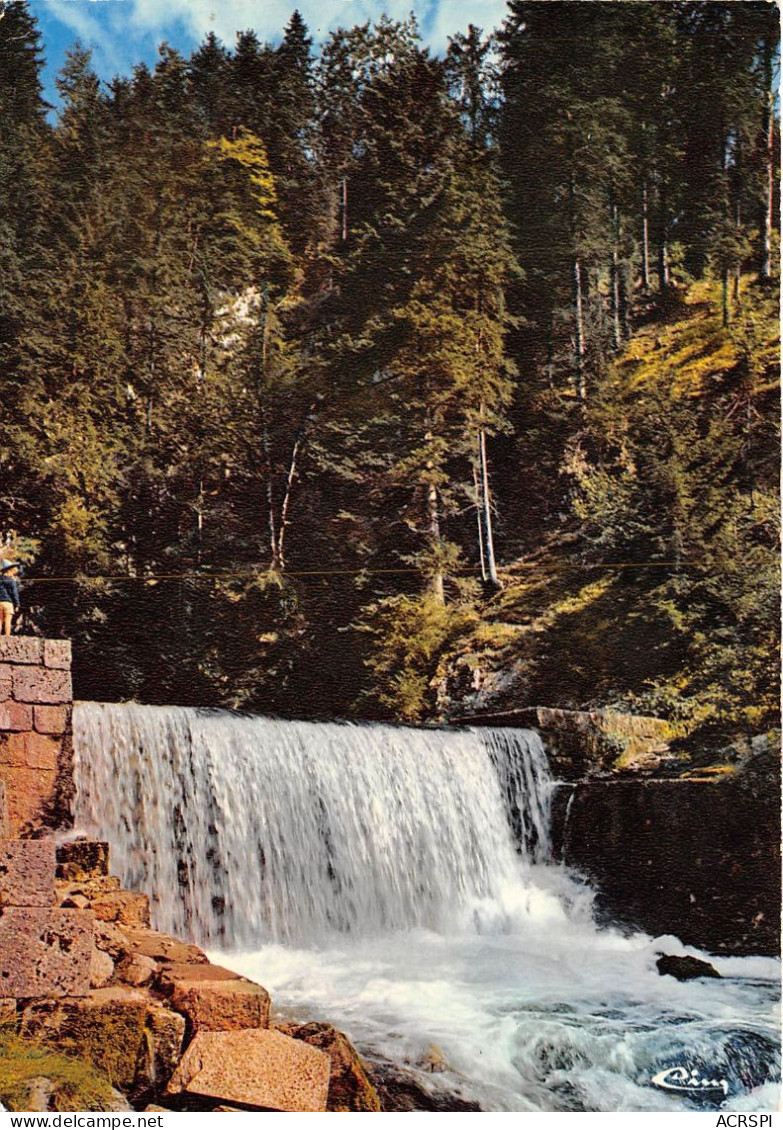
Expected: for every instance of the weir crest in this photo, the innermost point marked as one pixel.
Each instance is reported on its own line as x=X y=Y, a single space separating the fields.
x=247 y=828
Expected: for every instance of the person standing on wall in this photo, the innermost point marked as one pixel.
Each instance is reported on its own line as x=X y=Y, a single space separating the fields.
x=9 y=595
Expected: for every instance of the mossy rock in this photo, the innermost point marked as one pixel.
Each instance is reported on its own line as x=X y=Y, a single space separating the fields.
x=110 y=1036
x=132 y=1039
x=72 y=1084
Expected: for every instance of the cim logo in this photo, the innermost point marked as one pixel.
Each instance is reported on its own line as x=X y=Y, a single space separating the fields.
x=688 y=1081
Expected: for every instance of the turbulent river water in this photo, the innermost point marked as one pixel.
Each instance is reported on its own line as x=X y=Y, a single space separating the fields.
x=398 y=882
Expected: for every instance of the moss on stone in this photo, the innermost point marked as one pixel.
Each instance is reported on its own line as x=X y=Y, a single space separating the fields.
x=108 y=1032
x=78 y=1085
x=113 y=1038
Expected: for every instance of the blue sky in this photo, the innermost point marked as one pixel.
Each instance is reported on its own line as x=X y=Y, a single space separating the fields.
x=124 y=32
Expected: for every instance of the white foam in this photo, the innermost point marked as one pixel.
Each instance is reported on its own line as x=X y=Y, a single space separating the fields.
x=398 y=883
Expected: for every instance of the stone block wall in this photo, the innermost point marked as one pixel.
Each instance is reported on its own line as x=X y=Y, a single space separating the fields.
x=81 y=971
x=36 y=702
x=695 y=858
x=44 y=950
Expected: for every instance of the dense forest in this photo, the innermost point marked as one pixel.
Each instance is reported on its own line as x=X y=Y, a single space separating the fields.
x=360 y=381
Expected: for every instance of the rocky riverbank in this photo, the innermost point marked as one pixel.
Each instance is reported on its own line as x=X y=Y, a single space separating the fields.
x=124 y=1017
x=149 y=1013
x=698 y=858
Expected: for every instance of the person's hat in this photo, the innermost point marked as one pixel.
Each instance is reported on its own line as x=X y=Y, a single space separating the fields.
x=6 y=565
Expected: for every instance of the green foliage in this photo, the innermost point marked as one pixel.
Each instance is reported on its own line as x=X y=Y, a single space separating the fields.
x=685 y=489
x=410 y=635
x=244 y=234
x=286 y=341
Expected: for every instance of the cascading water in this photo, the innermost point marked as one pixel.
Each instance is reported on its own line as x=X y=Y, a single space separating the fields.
x=397 y=882
x=245 y=828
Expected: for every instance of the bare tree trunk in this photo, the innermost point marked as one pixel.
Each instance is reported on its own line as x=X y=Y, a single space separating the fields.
x=293 y=468
x=645 y=239
x=724 y=269
x=768 y=128
x=579 y=330
x=479 y=523
x=614 y=274
x=344 y=210
x=153 y=330
x=486 y=508
x=200 y=522
x=737 y=265
x=664 y=276
x=437 y=590
x=677 y=546
x=274 y=548
x=724 y=295
x=625 y=302
x=550 y=352
x=579 y=325
x=746 y=452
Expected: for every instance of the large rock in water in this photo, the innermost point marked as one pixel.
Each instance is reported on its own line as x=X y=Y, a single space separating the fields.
x=255 y=1067
x=349 y=1086
x=684 y=968
x=405 y=1089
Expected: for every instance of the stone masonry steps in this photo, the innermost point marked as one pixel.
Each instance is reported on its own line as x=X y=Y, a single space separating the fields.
x=82 y=970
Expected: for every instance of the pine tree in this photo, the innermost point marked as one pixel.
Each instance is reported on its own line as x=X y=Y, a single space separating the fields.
x=252 y=83
x=289 y=137
x=24 y=199
x=474 y=82
x=23 y=135
x=208 y=80
x=422 y=341
x=565 y=135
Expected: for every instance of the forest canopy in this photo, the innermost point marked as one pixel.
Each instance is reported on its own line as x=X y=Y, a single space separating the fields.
x=354 y=380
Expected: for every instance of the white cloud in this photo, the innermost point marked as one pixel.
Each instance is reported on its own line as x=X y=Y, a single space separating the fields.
x=437 y=18
x=450 y=16
x=78 y=16
x=123 y=32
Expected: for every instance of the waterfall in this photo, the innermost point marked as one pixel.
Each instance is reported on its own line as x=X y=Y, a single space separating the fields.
x=246 y=829
x=398 y=882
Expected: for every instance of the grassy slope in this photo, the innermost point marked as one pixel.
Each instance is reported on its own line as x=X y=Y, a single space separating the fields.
x=571 y=634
